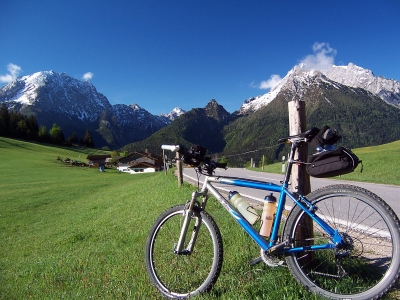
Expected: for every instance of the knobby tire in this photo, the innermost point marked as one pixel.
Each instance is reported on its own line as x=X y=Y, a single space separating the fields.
x=368 y=267
x=183 y=275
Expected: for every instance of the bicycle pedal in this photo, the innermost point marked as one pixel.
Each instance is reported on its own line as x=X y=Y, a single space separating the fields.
x=256 y=261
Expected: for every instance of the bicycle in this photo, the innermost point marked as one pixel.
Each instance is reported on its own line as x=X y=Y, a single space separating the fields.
x=340 y=241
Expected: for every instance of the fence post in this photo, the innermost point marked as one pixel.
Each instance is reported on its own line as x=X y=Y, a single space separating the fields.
x=263 y=161
x=297 y=125
x=165 y=162
x=300 y=178
x=179 y=169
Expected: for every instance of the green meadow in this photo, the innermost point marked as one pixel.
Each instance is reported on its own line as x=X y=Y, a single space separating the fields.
x=380 y=164
x=71 y=232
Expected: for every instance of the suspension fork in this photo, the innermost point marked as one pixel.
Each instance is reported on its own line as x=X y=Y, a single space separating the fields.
x=189 y=212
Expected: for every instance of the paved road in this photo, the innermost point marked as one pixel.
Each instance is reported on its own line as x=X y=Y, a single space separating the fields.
x=390 y=193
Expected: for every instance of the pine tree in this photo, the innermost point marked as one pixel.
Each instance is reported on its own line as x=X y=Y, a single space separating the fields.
x=57 y=134
x=4 y=120
x=87 y=140
x=43 y=135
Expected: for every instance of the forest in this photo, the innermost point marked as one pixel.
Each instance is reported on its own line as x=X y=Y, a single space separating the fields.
x=19 y=126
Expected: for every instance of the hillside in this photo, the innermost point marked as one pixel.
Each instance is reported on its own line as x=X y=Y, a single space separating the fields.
x=78 y=231
x=363 y=107
x=202 y=126
x=76 y=106
x=361 y=118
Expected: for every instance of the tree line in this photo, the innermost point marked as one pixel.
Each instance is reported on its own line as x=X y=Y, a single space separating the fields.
x=17 y=125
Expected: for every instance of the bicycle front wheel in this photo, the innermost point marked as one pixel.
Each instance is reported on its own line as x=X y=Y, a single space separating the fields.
x=182 y=275
x=367 y=266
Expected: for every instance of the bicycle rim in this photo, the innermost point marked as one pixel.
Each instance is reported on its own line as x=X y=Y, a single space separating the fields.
x=183 y=275
x=368 y=266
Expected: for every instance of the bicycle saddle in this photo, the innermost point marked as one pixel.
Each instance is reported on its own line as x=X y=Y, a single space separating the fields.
x=306 y=136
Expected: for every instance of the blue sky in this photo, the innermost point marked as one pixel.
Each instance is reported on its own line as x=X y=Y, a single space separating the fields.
x=166 y=54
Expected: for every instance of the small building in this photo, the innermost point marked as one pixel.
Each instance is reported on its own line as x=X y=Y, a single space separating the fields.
x=141 y=168
x=98 y=160
x=140 y=162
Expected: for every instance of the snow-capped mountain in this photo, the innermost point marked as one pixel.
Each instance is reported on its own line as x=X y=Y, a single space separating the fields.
x=354 y=76
x=75 y=106
x=298 y=79
x=134 y=114
x=58 y=92
x=175 y=113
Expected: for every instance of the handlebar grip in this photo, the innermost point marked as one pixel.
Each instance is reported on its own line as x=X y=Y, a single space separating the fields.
x=170 y=147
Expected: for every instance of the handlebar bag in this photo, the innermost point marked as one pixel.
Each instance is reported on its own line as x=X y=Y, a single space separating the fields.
x=332 y=163
x=194 y=155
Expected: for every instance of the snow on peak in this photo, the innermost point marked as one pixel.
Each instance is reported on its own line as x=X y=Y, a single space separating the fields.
x=175 y=113
x=134 y=106
x=301 y=76
x=255 y=103
x=358 y=77
x=27 y=87
x=178 y=111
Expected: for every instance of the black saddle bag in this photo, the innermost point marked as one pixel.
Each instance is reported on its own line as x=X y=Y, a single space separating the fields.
x=332 y=163
x=326 y=136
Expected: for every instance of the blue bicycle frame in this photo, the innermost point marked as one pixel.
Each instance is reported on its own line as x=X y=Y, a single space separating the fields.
x=270 y=245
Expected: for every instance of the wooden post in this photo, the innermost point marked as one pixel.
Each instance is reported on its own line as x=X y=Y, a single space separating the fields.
x=263 y=159
x=300 y=178
x=165 y=163
x=297 y=125
x=179 y=169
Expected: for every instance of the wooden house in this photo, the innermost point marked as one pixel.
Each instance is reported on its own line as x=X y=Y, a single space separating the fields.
x=140 y=162
x=98 y=160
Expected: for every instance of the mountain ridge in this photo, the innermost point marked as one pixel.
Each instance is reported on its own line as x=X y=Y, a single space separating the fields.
x=76 y=105
x=350 y=75
x=362 y=118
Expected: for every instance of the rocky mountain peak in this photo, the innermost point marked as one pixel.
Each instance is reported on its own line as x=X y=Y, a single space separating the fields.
x=75 y=105
x=216 y=111
x=301 y=77
x=355 y=76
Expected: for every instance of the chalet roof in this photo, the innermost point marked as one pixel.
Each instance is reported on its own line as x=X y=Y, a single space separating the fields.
x=148 y=154
x=143 y=154
x=141 y=165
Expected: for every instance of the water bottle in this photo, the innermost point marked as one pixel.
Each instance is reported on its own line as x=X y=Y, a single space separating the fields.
x=248 y=212
x=267 y=217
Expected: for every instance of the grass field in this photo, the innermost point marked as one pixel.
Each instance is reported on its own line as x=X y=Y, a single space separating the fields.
x=72 y=232
x=380 y=164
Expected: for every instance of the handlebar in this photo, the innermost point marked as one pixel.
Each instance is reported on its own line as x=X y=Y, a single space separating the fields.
x=170 y=147
x=195 y=157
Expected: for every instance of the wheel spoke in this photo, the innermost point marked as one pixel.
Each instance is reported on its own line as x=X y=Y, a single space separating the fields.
x=187 y=273
x=368 y=262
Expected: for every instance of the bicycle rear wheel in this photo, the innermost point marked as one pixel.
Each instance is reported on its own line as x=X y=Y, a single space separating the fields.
x=187 y=274
x=368 y=265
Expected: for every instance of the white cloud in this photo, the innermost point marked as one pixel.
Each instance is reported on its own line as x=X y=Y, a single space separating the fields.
x=268 y=84
x=271 y=82
x=322 y=59
x=13 y=71
x=87 y=76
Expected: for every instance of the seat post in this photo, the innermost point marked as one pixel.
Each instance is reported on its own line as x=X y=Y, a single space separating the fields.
x=290 y=162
